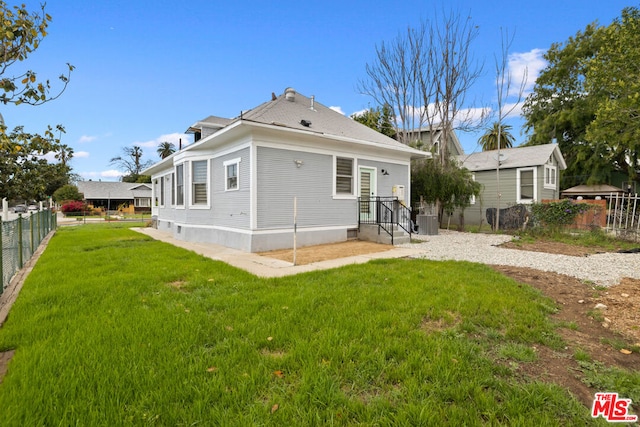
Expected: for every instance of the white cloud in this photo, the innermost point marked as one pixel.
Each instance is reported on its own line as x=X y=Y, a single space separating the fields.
x=87 y=138
x=81 y=154
x=525 y=65
x=112 y=173
x=337 y=109
x=356 y=113
x=173 y=138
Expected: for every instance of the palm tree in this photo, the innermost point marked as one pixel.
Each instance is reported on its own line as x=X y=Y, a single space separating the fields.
x=165 y=149
x=489 y=140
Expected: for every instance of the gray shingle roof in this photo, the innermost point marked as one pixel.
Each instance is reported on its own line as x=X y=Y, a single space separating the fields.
x=113 y=190
x=517 y=157
x=290 y=113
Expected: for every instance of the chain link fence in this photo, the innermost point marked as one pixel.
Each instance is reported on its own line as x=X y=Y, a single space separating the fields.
x=20 y=239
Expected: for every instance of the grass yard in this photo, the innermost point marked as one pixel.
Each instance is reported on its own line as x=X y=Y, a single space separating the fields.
x=113 y=328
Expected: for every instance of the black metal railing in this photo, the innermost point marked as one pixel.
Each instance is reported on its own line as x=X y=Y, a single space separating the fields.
x=387 y=213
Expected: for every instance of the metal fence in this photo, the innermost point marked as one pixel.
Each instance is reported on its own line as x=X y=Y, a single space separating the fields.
x=623 y=217
x=20 y=239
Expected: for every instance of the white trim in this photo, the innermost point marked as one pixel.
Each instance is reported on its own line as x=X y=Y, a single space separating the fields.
x=185 y=225
x=330 y=152
x=354 y=179
x=226 y=165
x=191 y=204
x=253 y=186
x=535 y=185
x=472 y=199
x=547 y=173
x=175 y=170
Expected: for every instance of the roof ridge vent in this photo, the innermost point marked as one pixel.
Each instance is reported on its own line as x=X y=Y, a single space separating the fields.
x=290 y=94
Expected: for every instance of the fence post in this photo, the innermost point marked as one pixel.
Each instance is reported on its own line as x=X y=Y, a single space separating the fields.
x=31 y=230
x=1 y=257
x=20 y=240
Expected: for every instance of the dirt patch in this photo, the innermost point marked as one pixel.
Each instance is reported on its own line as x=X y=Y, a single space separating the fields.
x=311 y=254
x=585 y=328
x=5 y=357
x=552 y=248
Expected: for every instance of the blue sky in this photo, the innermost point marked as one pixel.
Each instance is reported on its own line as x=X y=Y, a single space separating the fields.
x=147 y=70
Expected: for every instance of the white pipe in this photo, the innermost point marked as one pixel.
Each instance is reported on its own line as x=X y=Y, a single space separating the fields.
x=295 y=227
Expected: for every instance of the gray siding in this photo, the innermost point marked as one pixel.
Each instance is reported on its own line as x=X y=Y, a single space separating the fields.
x=232 y=208
x=279 y=180
x=397 y=175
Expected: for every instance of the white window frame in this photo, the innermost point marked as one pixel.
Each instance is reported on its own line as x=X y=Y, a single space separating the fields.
x=172 y=179
x=550 y=172
x=178 y=193
x=344 y=195
x=156 y=192
x=226 y=165
x=142 y=202
x=519 y=198
x=472 y=199
x=192 y=183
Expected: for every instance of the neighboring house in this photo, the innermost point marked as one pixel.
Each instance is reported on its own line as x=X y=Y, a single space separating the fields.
x=111 y=195
x=453 y=145
x=235 y=185
x=521 y=175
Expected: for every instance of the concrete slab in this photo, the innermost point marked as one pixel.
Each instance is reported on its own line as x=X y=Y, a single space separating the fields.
x=263 y=266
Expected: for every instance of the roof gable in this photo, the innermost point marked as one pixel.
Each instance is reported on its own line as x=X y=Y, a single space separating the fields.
x=113 y=190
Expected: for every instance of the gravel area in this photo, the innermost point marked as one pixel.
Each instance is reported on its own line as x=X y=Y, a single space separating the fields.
x=603 y=269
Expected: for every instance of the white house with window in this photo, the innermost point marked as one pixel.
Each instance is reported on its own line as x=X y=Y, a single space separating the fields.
x=521 y=175
x=235 y=185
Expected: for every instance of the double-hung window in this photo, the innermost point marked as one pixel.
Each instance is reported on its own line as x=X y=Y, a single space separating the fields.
x=344 y=176
x=526 y=183
x=550 y=177
x=173 y=189
x=162 y=191
x=199 y=182
x=231 y=174
x=180 y=185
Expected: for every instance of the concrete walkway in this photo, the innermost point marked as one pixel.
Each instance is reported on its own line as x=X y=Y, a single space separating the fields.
x=263 y=266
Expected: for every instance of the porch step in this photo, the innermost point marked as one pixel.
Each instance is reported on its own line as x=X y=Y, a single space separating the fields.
x=370 y=233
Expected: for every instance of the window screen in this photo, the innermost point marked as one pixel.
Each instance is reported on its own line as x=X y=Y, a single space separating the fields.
x=344 y=176
x=199 y=180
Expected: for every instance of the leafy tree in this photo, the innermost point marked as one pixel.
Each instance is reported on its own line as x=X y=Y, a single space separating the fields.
x=613 y=79
x=379 y=118
x=131 y=163
x=22 y=33
x=24 y=172
x=587 y=98
x=489 y=141
x=165 y=149
x=446 y=183
x=67 y=193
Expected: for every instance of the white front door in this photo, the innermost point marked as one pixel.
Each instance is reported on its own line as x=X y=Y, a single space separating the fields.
x=367 y=192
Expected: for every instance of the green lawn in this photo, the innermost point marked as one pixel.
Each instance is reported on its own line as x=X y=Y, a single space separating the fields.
x=113 y=328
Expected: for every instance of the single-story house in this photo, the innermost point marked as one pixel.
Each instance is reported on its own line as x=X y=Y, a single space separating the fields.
x=512 y=176
x=236 y=184
x=112 y=195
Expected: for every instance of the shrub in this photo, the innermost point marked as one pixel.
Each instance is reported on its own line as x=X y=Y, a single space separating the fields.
x=67 y=193
x=557 y=215
x=73 y=207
